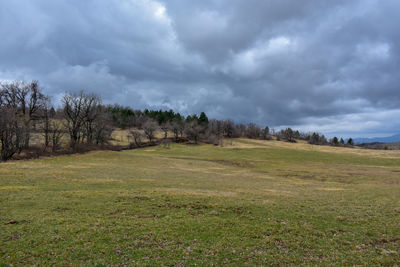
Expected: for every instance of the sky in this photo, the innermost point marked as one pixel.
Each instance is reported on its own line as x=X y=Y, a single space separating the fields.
x=314 y=65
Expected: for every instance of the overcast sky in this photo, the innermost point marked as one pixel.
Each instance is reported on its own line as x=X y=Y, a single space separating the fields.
x=317 y=65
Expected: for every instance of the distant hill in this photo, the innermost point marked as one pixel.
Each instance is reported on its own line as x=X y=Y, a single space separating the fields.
x=389 y=139
x=385 y=146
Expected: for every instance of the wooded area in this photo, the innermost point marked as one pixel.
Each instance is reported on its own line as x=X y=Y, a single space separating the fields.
x=87 y=123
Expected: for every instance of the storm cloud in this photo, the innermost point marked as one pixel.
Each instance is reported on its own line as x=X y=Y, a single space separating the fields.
x=330 y=66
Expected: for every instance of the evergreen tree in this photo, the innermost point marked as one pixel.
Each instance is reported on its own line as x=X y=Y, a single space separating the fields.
x=350 y=142
x=266 y=132
x=335 y=141
x=203 y=119
x=191 y=118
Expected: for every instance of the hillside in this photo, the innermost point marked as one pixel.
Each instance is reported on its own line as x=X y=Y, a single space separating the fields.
x=249 y=202
x=381 y=146
x=389 y=139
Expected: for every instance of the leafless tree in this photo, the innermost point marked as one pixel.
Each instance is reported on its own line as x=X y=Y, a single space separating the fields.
x=253 y=131
x=150 y=127
x=137 y=137
x=229 y=128
x=28 y=101
x=215 y=127
x=214 y=132
x=56 y=132
x=80 y=111
x=193 y=131
x=139 y=119
x=9 y=124
x=10 y=132
x=213 y=139
x=45 y=122
x=33 y=110
x=93 y=115
x=177 y=127
x=101 y=129
x=240 y=130
x=165 y=127
x=131 y=121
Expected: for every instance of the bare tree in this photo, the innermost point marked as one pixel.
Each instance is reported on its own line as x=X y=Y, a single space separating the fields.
x=193 y=130
x=36 y=102
x=137 y=137
x=9 y=127
x=165 y=127
x=27 y=100
x=175 y=127
x=10 y=132
x=80 y=114
x=229 y=128
x=21 y=104
x=150 y=127
x=101 y=127
x=214 y=132
x=241 y=130
x=56 y=131
x=139 y=119
x=73 y=106
x=253 y=131
x=92 y=122
x=215 y=127
x=45 y=122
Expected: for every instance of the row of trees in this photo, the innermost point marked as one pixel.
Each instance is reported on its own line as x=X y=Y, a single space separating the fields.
x=26 y=112
x=21 y=104
x=86 y=119
x=82 y=119
x=318 y=139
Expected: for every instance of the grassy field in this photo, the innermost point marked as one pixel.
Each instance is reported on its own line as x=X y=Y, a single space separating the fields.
x=249 y=203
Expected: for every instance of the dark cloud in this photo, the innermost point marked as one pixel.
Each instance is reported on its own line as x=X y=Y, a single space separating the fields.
x=331 y=66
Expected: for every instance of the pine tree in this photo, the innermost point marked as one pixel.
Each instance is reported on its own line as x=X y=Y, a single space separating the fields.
x=350 y=142
x=335 y=141
x=203 y=119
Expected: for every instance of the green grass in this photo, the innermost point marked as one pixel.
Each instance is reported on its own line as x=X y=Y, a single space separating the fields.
x=246 y=204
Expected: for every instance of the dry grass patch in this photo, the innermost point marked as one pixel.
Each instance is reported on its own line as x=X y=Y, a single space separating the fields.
x=302 y=145
x=256 y=203
x=199 y=192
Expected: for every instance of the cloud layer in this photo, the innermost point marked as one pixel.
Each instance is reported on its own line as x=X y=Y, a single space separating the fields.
x=331 y=66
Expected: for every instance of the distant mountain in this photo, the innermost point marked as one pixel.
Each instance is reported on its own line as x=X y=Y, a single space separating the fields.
x=389 y=139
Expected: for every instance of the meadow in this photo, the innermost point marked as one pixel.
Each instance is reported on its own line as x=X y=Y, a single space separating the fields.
x=247 y=203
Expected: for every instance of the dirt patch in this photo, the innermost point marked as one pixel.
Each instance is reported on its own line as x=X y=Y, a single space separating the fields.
x=332 y=189
x=16 y=222
x=146 y=180
x=131 y=198
x=234 y=163
x=240 y=164
x=382 y=245
x=278 y=192
x=185 y=191
x=382 y=242
x=16 y=188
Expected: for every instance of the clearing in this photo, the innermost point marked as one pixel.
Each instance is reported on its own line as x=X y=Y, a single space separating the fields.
x=252 y=202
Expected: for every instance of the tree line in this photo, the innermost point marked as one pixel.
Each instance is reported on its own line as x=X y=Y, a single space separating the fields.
x=83 y=120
